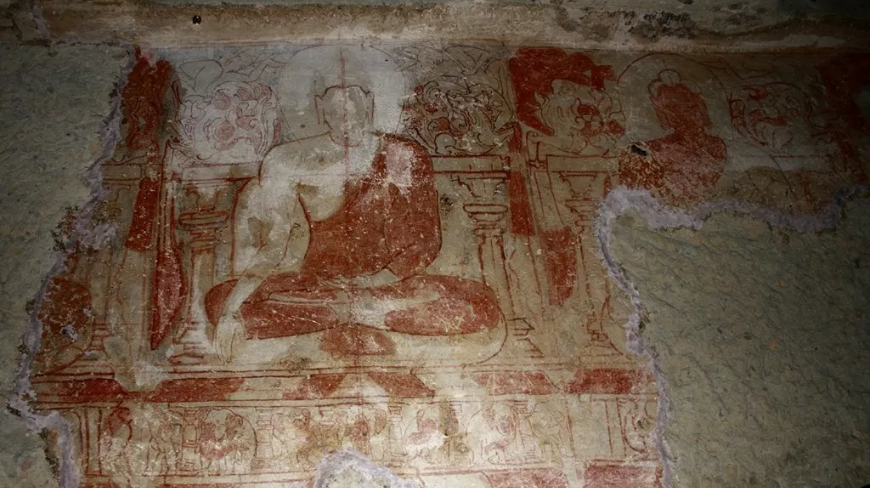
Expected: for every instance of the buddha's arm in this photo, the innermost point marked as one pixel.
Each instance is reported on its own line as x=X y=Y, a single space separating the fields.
x=271 y=237
x=381 y=278
x=413 y=229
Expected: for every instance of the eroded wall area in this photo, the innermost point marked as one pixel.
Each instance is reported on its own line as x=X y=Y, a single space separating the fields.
x=761 y=333
x=55 y=102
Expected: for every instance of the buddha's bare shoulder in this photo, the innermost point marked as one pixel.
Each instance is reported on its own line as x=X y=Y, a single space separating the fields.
x=295 y=158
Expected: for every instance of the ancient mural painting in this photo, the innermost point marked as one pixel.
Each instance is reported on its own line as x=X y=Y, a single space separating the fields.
x=389 y=249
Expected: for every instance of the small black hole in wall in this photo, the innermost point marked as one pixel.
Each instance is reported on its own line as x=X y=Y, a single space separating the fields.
x=197 y=19
x=639 y=150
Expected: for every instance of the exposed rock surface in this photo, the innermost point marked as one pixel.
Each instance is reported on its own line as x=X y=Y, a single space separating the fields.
x=721 y=25
x=55 y=102
x=762 y=335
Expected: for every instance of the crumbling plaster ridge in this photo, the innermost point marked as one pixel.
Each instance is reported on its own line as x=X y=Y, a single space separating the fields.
x=90 y=234
x=661 y=217
x=39 y=23
x=370 y=473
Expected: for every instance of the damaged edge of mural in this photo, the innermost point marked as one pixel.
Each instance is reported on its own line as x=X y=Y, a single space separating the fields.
x=59 y=444
x=347 y=466
x=659 y=216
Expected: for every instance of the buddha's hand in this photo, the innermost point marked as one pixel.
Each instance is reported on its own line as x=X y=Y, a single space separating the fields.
x=228 y=333
x=381 y=278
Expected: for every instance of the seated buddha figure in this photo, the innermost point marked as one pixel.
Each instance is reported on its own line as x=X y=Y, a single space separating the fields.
x=331 y=246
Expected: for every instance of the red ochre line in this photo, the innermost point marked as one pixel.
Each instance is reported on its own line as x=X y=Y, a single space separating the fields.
x=529 y=469
x=610 y=381
x=541 y=366
x=527 y=383
x=201 y=390
x=554 y=364
x=486 y=172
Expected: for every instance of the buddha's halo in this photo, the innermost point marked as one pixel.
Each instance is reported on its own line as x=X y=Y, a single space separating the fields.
x=312 y=71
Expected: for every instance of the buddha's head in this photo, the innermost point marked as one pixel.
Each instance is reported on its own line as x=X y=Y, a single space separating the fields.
x=346 y=91
x=348 y=112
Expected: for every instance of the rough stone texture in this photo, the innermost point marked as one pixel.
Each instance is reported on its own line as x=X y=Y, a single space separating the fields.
x=711 y=15
x=719 y=25
x=737 y=15
x=50 y=130
x=845 y=8
x=762 y=335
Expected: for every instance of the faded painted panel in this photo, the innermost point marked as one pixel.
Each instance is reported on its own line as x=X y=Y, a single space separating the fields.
x=390 y=249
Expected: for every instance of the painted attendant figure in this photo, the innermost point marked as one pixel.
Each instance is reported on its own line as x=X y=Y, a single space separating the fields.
x=683 y=166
